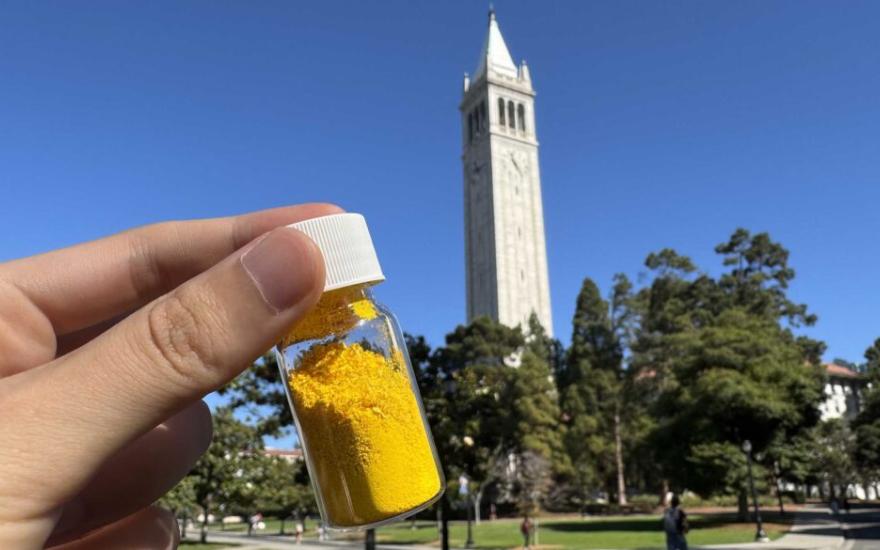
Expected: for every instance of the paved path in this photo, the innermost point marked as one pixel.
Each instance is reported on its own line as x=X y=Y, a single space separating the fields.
x=814 y=529
x=862 y=528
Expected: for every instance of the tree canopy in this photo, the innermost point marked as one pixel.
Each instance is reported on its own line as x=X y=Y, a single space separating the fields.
x=662 y=382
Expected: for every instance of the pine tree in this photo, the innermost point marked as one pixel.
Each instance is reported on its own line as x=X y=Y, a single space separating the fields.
x=726 y=364
x=228 y=475
x=866 y=425
x=594 y=387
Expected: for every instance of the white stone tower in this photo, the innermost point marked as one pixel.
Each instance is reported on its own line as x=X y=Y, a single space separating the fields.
x=505 y=253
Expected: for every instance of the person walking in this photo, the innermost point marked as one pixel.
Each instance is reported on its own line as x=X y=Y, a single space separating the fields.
x=526 y=528
x=676 y=525
x=299 y=532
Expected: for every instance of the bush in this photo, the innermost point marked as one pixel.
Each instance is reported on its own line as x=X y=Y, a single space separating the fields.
x=692 y=500
x=644 y=504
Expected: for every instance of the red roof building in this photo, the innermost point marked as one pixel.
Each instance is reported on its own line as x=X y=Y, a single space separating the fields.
x=290 y=455
x=843 y=392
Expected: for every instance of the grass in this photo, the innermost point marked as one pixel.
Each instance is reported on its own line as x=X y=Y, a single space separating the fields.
x=188 y=545
x=640 y=532
x=559 y=533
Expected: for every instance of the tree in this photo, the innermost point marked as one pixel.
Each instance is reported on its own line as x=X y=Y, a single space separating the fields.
x=872 y=363
x=833 y=455
x=260 y=390
x=531 y=481
x=181 y=501
x=226 y=477
x=866 y=426
x=595 y=384
x=547 y=349
x=287 y=493
x=462 y=385
x=760 y=276
x=536 y=441
x=535 y=401
x=726 y=364
x=490 y=397
x=792 y=460
x=866 y=451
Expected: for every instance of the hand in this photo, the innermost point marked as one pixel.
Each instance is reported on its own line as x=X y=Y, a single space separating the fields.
x=105 y=351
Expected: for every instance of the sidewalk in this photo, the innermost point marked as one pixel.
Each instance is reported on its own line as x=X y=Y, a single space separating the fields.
x=814 y=529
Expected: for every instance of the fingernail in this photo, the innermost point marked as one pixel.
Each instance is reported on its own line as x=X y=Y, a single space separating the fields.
x=284 y=268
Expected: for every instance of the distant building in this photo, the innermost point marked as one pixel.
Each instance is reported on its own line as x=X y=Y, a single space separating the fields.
x=505 y=251
x=290 y=455
x=843 y=393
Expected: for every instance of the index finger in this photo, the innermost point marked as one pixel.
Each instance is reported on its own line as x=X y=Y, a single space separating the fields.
x=86 y=284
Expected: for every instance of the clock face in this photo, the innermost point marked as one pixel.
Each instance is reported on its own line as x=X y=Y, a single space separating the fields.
x=518 y=161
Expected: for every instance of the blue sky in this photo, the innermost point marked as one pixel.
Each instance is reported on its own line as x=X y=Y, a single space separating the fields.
x=661 y=124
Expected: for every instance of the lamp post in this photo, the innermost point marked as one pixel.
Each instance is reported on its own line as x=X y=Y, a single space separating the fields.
x=449 y=395
x=444 y=523
x=760 y=535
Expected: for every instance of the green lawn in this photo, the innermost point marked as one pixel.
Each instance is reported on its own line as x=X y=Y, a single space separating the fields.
x=207 y=546
x=636 y=532
x=562 y=533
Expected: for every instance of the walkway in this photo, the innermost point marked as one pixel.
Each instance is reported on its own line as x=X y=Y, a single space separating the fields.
x=814 y=529
x=862 y=528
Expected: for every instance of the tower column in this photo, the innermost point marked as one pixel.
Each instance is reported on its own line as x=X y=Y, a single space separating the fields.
x=505 y=250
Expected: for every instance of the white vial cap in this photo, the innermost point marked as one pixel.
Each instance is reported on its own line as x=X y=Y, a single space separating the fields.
x=349 y=256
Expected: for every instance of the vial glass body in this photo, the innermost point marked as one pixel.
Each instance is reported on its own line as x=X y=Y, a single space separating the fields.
x=358 y=412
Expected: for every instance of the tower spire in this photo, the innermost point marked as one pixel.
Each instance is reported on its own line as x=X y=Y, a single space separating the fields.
x=494 y=55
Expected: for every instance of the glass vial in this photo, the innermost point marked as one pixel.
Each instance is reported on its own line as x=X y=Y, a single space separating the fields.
x=352 y=391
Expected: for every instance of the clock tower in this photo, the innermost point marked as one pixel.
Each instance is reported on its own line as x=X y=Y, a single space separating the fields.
x=505 y=252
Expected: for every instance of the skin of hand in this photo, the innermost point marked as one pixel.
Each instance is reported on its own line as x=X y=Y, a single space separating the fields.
x=106 y=349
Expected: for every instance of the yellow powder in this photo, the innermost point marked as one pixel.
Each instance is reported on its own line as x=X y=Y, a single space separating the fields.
x=336 y=312
x=369 y=448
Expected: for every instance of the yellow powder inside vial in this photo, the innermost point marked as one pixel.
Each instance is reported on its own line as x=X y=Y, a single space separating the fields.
x=336 y=312
x=360 y=419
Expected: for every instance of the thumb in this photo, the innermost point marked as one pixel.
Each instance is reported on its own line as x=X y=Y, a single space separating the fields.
x=161 y=358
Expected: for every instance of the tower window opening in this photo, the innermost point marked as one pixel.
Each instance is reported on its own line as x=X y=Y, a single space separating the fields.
x=470 y=128
x=521 y=117
x=482 y=115
x=511 y=115
x=501 y=120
